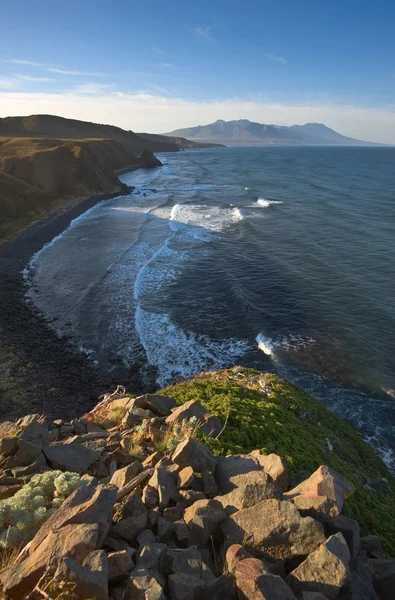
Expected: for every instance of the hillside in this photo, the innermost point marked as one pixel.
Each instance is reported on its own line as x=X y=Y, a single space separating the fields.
x=179 y=141
x=248 y=133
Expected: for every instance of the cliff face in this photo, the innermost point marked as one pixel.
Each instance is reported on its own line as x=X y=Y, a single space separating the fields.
x=37 y=174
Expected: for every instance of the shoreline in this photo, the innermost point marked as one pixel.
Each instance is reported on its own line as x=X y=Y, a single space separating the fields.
x=40 y=372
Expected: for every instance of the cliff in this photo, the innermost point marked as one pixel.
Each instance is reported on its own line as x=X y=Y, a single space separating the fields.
x=229 y=485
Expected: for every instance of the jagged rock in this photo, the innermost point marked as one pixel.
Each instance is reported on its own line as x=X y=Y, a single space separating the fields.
x=274 y=529
x=323 y=492
x=359 y=585
x=325 y=570
x=249 y=494
x=231 y=471
x=234 y=554
x=136 y=416
x=191 y=496
x=117 y=592
x=274 y=466
x=74 y=541
x=77 y=458
x=160 y=405
x=39 y=465
x=172 y=513
x=383 y=577
x=208 y=423
x=187 y=561
x=90 y=579
x=146 y=537
x=119 y=566
x=142 y=585
x=379 y=485
x=122 y=476
x=150 y=556
x=348 y=527
x=186 y=587
x=152 y=460
x=79 y=426
x=8 y=445
x=210 y=487
x=222 y=588
x=165 y=530
x=372 y=546
x=188 y=479
x=164 y=481
x=148 y=159
x=203 y=519
x=181 y=532
x=198 y=456
x=153 y=517
x=255 y=583
x=130 y=526
x=6 y=491
x=27 y=453
x=150 y=496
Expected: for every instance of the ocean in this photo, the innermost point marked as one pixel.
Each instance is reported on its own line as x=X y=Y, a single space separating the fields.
x=278 y=258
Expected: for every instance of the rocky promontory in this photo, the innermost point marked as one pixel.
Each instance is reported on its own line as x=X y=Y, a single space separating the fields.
x=229 y=485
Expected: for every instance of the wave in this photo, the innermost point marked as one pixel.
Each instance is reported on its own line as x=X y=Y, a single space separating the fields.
x=262 y=202
x=265 y=344
x=237 y=214
x=285 y=343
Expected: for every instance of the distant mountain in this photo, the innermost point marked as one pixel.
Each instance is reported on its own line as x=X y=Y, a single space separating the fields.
x=181 y=142
x=248 y=133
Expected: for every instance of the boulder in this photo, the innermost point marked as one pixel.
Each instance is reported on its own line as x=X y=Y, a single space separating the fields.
x=152 y=460
x=8 y=445
x=253 y=582
x=72 y=457
x=130 y=527
x=186 y=587
x=164 y=481
x=203 y=519
x=208 y=423
x=120 y=565
x=248 y=494
x=371 y=544
x=231 y=471
x=37 y=466
x=122 y=476
x=142 y=585
x=6 y=491
x=148 y=160
x=273 y=529
x=191 y=496
x=75 y=541
x=135 y=416
x=234 y=554
x=380 y=485
x=150 y=556
x=325 y=570
x=275 y=466
x=165 y=530
x=323 y=492
x=188 y=479
x=359 y=585
x=27 y=453
x=191 y=454
x=383 y=577
x=210 y=487
x=161 y=405
x=90 y=580
x=348 y=527
x=222 y=588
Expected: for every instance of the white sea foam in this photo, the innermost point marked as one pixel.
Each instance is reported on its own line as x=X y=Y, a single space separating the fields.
x=262 y=202
x=265 y=344
x=178 y=352
x=237 y=214
x=284 y=343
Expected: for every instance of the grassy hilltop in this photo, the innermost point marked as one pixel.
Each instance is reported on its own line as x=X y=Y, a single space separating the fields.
x=266 y=412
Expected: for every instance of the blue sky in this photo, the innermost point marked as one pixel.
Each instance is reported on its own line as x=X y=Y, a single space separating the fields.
x=160 y=65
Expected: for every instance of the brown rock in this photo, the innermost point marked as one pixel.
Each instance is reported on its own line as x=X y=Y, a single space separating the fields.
x=222 y=588
x=160 y=405
x=120 y=565
x=325 y=492
x=122 y=476
x=27 y=453
x=6 y=491
x=191 y=454
x=230 y=471
x=72 y=457
x=8 y=445
x=348 y=527
x=234 y=554
x=210 y=487
x=208 y=423
x=255 y=583
x=164 y=481
x=313 y=596
x=325 y=570
x=186 y=587
x=383 y=576
x=248 y=494
x=274 y=466
x=203 y=519
x=165 y=530
x=274 y=529
x=90 y=579
x=37 y=466
x=142 y=585
x=187 y=479
x=191 y=496
x=152 y=460
x=372 y=546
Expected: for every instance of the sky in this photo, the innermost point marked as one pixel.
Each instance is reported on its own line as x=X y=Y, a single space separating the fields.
x=161 y=65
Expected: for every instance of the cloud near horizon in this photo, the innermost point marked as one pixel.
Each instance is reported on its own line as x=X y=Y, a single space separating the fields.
x=157 y=113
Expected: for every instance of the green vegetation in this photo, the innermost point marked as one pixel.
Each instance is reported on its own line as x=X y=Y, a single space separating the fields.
x=271 y=414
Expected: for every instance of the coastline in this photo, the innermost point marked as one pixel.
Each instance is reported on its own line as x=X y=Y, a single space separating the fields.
x=40 y=372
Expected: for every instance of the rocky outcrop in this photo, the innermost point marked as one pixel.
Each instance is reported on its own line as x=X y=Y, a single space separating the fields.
x=178 y=523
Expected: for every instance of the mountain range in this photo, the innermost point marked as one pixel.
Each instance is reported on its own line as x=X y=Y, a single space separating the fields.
x=247 y=133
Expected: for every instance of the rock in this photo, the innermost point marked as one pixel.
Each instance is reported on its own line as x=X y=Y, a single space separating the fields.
x=198 y=456
x=188 y=479
x=90 y=578
x=297 y=479
x=379 y=485
x=348 y=527
x=8 y=445
x=160 y=405
x=119 y=566
x=27 y=453
x=383 y=577
x=77 y=458
x=313 y=596
x=150 y=496
x=248 y=494
x=230 y=471
x=131 y=526
x=88 y=504
x=186 y=587
x=191 y=496
x=6 y=491
x=165 y=530
x=274 y=466
x=172 y=513
x=164 y=481
x=210 y=487
x=136 y=416
x=122 y=476
x=274 y=529
x=150 y=556
x=142 y=585
x=359 y=585
x=222 y=588
x=325 y=570
x=253 y=582
x=324 y=492
x=148 y=159
x=372 y=546
x=79 y=427
x=39 y=465
x=234 y=554
x=181 y=532
x=203 y=519
x=188 y=561
x=117 y=592
x=152 y=460
x=73 y=541
x=208 y=423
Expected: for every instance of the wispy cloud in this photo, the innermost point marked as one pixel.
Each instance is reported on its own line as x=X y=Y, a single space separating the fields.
x=8 y=84
x=205 y=31
x=69 y=72
x=30 y=63
x=158 y=50
x=37 y=79
x=93 y=88
x=276 y=58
